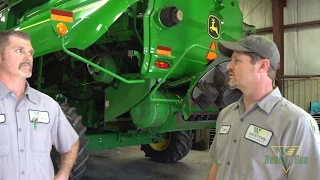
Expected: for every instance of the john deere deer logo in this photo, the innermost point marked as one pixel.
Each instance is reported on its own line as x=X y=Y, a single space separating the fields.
x=213 y=27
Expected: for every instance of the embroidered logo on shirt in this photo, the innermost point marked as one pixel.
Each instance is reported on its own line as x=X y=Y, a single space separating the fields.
x=258 y=135
x=39 y=116
x=2 y=118
x=225 y=129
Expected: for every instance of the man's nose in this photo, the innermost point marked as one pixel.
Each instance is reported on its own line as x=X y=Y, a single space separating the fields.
x=28 y=58
x=229 y=65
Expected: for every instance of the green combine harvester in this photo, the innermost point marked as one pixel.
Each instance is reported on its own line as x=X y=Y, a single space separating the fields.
x=131 y=72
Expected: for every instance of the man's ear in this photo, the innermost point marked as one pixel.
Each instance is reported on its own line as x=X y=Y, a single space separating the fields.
x=264 y=65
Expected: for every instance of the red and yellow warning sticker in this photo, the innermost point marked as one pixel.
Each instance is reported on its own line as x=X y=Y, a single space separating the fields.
x=62 y=16
x=165 y=51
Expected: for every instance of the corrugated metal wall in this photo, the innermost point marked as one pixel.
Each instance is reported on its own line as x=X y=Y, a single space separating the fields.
x=300 y=44
x=301 y=91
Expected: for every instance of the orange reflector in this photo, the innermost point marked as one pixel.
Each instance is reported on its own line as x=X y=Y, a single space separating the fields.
x=161 y=50
x=62 y=28
x=162 y=64
x=211 y=55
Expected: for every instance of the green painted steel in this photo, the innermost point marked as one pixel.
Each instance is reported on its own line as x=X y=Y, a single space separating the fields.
x=105 y=65
x=193 y=29
x=123 y=97
x=172 y=69
x=87 y=18
x=97 y=66
x=109 y=64
x=150 y=114
x=113 y=140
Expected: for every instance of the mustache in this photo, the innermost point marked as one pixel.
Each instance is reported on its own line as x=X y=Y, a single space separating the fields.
x=24 y=63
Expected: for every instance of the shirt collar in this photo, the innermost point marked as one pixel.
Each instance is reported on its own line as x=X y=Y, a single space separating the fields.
x=267 y=103
x=28 y=92
x=3 y=90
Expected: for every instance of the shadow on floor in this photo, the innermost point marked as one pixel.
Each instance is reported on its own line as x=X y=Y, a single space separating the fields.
x=130 y=164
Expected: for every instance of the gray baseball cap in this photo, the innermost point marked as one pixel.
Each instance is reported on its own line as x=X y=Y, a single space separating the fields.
x=260 y=45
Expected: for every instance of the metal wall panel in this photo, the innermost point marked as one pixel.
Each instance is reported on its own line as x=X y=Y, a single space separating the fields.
x=300 y=44
x=301 y=91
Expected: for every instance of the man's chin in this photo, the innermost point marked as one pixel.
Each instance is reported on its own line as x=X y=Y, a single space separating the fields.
x=25 y=74
x=231 y=84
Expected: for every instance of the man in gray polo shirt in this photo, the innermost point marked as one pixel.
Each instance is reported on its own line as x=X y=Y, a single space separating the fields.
x=30 y=121
x=262 y=136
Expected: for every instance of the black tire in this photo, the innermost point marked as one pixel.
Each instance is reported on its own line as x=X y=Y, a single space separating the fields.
x=178 y=147
x=80 y=164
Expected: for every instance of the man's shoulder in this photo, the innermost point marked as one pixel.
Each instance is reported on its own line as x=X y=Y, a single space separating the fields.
x=292 y=112
x=288 y=106
x=229 y=108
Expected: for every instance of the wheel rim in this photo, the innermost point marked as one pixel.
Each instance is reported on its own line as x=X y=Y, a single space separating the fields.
x=163 y=144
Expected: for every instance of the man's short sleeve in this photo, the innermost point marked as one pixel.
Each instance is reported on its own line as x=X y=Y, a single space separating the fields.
x=213 y=150
x=63 y=135
x=306 y=160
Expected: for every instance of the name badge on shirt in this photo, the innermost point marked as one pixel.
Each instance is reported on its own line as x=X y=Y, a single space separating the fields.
x=225 y=129
x=2 y=118
x=39 y=116
x=258 y=135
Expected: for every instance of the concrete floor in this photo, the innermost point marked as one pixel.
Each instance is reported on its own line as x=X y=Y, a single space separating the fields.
x=129 y=163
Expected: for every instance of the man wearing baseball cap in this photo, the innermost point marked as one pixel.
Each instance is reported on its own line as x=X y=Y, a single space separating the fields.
x=262 y=135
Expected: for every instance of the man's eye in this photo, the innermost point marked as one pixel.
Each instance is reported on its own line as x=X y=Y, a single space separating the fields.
x=19 y=50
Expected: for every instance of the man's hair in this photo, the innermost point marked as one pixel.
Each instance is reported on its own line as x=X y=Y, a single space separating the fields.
x=255 y=58
x=4 y=38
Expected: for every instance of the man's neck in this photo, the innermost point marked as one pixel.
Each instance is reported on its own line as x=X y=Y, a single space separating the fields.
x=15 y=84
x=256 y=94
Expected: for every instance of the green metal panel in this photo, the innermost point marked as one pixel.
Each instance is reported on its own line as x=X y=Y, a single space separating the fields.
x=4 y=18
x=98 y=67
x=87 y=23
x=113 y=140
x=176 y=122
x=25 y=4
x=150 y=114
x=108 y=63
x=94 y=21
x=193 y=29
x=121 y=98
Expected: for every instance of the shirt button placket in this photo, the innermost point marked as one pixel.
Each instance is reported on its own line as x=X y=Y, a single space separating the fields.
x=20 y=143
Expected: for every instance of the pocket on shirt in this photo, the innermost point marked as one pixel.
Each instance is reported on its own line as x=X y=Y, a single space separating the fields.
x=251 y=162
x=41 y=139
x=4 y=140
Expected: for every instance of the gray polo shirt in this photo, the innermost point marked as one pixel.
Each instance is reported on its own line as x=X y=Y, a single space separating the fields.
x=273 y=139
x=24 y=147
